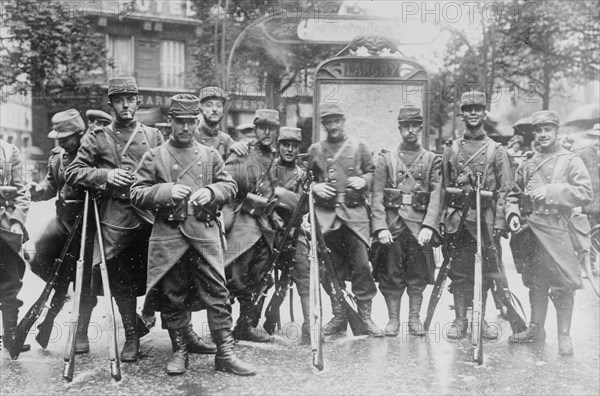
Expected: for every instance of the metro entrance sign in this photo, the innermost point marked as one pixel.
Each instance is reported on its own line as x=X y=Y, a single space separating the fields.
x=339 y=29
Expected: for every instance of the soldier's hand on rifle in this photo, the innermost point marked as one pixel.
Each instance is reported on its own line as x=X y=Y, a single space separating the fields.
x=180 y=191
x=119 y=177
x=16 y=227
x=514 y=223
x=424 y=236
x=201 y=196
x=240 y=148
x=539 y=194
x=324 y=190
x=500 y=233
x=356 y=182
x=385 y=237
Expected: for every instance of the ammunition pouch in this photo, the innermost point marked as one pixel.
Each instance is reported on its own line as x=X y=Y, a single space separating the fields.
x=456 y=197
x=68 y=210
x=205 y=213
x=354 y=197
x=525 y=204
x=178 y=213
x=255 y=205
x=329 y=203
x=393 y=198
x=421 y=201
x=487 y=200
x=8 y=196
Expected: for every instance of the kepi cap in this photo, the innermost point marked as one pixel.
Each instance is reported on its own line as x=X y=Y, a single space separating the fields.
x=329 y=109
x=472 y=98
x=409 y=112
x=184 y=106
x=122 y=85
x=595 y=131
x=545 y=117
x=66 y=123
x=98 y=115
x=212 y=92
x=266 y=116
x=290 y=133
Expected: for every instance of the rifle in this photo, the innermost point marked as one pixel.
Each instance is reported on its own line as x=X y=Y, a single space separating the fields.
x=281 y=288
x=334 y=286
x=477 y=320
x=113 y=355
x=69 y=357
x=258 y=297
x=451 y=248
x=60 y=282
x=516 y=319
x=316 y=309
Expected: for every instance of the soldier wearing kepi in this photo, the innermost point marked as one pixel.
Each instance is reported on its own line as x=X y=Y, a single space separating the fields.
x=106 y=162
x=97 y=119
x=187 y=183
x=549 y=238
x=289 y=176
x=14 y=205
x=405 y=208
x=68 y=128
x=251 y=237
x=343 y=169
x=475 y=153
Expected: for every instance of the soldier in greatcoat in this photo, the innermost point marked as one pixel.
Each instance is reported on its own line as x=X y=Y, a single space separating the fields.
x=549 y=237
x=14 y=205
x=343 y=169
x=186 y=183
x=475 y=153
x=68 y=127
x=251 y=235
x=405 y=207
x=106 y=162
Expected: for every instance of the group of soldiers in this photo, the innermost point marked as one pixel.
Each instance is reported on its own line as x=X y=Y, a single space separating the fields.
x=191 y=222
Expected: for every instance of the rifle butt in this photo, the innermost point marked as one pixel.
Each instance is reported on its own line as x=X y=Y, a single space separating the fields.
x=45 y=329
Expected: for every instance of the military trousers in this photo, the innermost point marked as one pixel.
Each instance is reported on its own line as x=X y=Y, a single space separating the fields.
x=351 y=261
x=192 y=278
x=406 y=266
x=462 y=270
x=245 y=272
x=12 y=269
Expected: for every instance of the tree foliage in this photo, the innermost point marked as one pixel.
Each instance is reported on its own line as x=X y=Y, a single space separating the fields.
x=551 y=41
x=49 y=46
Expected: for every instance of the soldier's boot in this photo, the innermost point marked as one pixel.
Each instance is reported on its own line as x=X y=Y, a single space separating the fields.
x=339 y=322
x=179 y=360
x=489 y=332
x=131 y=348
x=305 y=332
x=82 y=342
x=195 y=344
x=225 y=360
x=415 y=327
x=9 y=322
x=538 y=298
x=393 y=306
x=458 y=328
x=148 y=310
x=364 y=307
x=243 y=328
x=564 y=300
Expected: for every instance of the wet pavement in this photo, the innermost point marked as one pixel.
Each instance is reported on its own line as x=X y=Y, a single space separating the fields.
x=353 y=365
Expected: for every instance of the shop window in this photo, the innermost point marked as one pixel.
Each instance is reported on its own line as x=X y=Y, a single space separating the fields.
x=172 y=64
x=120 y=50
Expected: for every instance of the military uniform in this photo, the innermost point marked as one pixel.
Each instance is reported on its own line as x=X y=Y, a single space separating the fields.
x=186 y=252
x=346 y=228
x=591 y=158
x=406 y=198
x=251 y=236
x=14 y=205
x=549 y=248
x=461 y=162
x=69 y=204
x=125 y=231
x=213 y=136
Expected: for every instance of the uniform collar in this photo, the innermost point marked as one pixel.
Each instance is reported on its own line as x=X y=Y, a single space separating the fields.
x=208 y=131
x=479 y=135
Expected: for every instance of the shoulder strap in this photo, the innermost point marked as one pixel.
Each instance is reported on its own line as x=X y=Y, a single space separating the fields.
x=135 y=131
x=476 y=153
x=528 y=176
x=110 y=139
